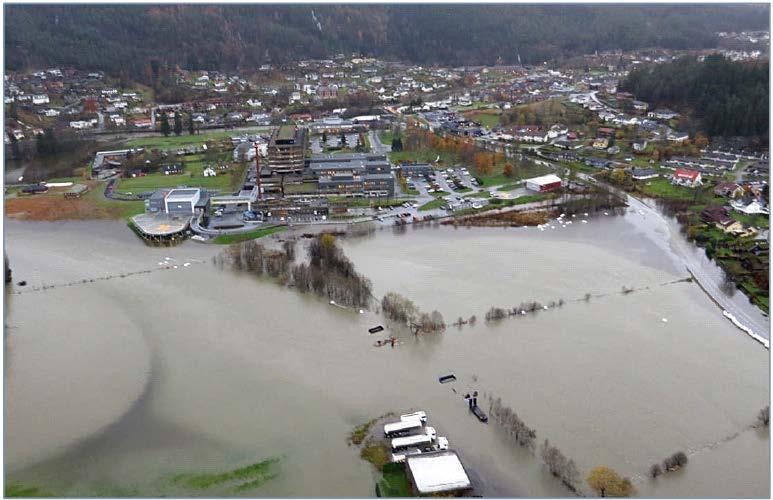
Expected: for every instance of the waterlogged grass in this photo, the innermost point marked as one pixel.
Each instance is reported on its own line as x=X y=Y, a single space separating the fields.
x=227 y=239
x=357 y=436
x=249 y=477
x=394 y=482
x=375 y=453
x=18 y=490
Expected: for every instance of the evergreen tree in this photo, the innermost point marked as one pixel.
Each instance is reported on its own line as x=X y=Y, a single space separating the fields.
x=342 y=138
x=15 y=153
x=165 y=129
x=46 y=142
x=178 y=123
x=191 y=126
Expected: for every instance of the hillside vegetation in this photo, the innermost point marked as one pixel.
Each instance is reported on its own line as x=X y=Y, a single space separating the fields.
x=728 y=98
x=126 y=37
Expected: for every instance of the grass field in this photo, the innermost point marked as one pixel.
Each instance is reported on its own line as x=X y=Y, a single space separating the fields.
x=424 y=156
x=488 y=119
x=479 y=194
x=431 y=205
x=394 y=482
x=227 y=239
x=193 y=176
x=174 y=141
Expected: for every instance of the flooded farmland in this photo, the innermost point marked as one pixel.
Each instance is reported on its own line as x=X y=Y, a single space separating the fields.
x=115 y=386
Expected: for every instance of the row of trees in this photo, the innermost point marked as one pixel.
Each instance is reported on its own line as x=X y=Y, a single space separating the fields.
x=329 y=272
x=512 y=424
x=671 y=463
x=403 y=310
x=166 y=129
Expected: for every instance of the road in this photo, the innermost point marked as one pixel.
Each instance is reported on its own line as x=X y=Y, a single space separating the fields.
x=705 y=272
x=376 y=146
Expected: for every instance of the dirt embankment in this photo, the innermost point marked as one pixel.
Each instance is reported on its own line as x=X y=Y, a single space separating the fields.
x=53 y=206
x=506 y=219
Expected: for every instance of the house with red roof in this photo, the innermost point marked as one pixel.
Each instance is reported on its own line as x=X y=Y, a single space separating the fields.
x=686 y=177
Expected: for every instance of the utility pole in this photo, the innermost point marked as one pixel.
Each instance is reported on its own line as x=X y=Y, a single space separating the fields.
x=257 y=168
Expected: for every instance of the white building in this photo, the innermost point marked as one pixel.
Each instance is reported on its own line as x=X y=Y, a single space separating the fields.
x=181 y=201
x=437 y=473
x=40 y=99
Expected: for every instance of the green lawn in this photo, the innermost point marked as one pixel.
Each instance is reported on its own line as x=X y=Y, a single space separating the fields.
x=530 y=198
x=394 y=482
x=489 y=120
x=192 y=176
x=227 y=239
x=431 y=205
x=756 y=220
x=306 y=187
x=524 y=170
x=424 y=156
x=174 y=141
x=479 y=194
x=440 y=194
x=662 y=188
x=127 y=208
x=386 y=137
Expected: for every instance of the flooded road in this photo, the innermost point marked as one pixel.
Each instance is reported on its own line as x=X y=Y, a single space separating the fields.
x=114 y=386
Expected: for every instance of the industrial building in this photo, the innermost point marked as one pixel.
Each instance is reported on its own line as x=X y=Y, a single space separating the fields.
x=543 y=183
x=178 y=202
x=438 y=473
x=286 y=150
x=357 y=174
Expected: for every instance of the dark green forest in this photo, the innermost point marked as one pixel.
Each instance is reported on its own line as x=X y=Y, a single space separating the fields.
x=126 y=37
x=728 y=98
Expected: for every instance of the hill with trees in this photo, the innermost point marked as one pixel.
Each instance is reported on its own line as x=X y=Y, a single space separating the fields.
x=117 y=37
x=727 y=98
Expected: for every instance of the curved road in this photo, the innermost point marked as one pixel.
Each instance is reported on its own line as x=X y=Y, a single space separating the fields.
x=708 y=275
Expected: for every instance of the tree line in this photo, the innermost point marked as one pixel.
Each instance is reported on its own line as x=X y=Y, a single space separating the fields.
x=728 y=98
x=328 y=273
x=122 y=38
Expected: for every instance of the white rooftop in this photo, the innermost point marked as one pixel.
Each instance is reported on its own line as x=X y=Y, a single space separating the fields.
x=545 y=179
x=437 y=472
x=187 y=194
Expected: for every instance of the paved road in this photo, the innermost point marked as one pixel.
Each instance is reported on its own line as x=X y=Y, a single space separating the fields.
x=376 y=146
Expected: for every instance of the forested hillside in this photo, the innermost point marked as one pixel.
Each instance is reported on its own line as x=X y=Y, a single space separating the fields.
x=116 y=37
x=729 y=98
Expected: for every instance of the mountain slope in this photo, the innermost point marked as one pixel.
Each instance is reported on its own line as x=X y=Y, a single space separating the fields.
x=115 y=37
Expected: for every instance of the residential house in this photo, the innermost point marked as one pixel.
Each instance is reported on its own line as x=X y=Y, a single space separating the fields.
x=662 y=114
x=728 y=190
x=678 y=137
x=639 y=145
x=641 y=174
x=686 y=177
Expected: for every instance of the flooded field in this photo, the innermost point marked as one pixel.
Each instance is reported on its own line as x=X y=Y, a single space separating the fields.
x=115 y=386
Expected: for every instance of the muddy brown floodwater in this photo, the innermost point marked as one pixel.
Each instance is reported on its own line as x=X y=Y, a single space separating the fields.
x=114 y=386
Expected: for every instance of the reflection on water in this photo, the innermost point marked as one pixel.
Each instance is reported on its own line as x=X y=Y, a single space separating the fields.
x=117 y=385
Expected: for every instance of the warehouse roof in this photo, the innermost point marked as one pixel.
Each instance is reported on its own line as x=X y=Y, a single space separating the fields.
x=545 y=179
x=438 y=472
x=183 y=195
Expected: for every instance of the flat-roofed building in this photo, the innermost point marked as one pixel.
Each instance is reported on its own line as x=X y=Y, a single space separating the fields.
x=286 y=150
x=181 y=201
x=437 y=474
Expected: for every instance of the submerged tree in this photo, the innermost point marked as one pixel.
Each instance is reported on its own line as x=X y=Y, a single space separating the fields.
x=607 y=483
